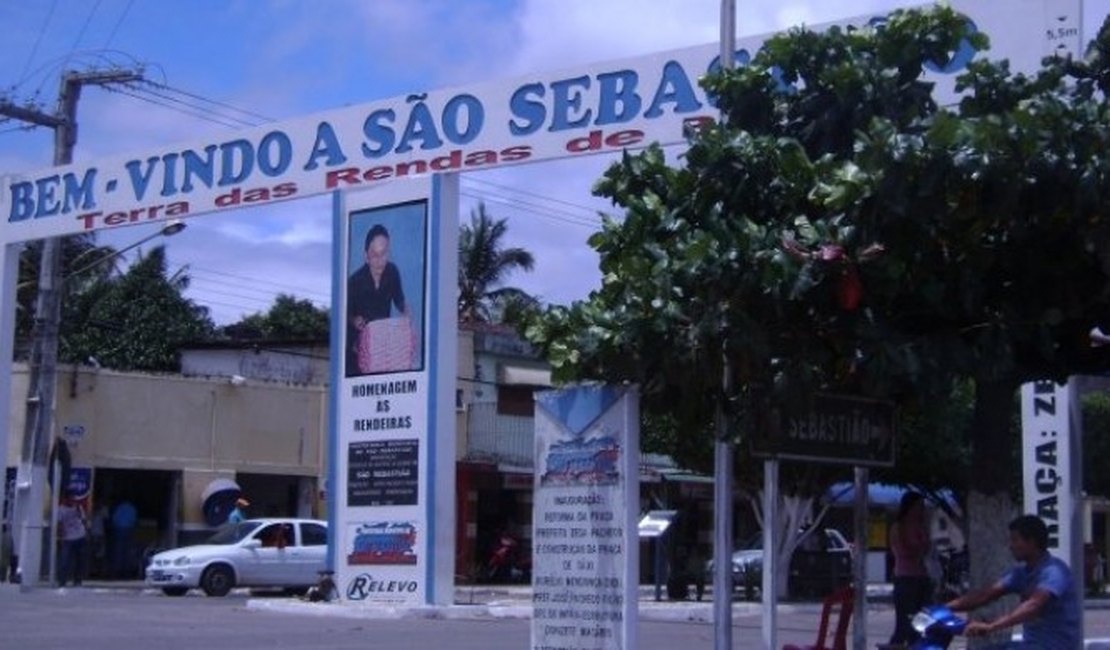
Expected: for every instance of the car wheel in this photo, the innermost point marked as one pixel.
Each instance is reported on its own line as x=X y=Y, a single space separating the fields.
x=175 y=591
x=217 y=580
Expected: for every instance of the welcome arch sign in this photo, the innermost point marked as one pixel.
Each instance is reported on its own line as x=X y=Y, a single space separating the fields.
x=595 y=109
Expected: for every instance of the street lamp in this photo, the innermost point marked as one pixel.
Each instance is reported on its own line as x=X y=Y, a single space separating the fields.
x=170 y=229
x=30 y=485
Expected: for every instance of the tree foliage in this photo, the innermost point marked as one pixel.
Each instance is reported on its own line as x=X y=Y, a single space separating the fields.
x=134 y=321
x=839 y=231
x=83 y=263
x=288 y=319
x=484 y=265
x=843 y=232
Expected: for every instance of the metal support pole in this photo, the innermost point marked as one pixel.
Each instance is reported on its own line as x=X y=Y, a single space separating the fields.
x=657 y=569
x=722 y=448
x=770 y=553
x=859 y=560
x=9 y=273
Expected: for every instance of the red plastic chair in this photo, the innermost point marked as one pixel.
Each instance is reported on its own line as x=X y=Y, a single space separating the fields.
x=845 y=598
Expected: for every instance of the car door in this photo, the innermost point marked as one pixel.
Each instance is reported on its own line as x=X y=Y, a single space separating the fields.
x=271 y=559
x=312 y=552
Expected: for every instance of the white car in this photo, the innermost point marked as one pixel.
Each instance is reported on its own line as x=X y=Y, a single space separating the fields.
x=286 y=553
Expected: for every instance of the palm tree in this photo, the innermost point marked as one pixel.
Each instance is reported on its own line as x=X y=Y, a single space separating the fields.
x=484 y=265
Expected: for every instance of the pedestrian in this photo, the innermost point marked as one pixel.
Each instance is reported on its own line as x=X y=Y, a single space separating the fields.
x=124 y=519
x=237 y=514
x=909 y=542
x=72 y=530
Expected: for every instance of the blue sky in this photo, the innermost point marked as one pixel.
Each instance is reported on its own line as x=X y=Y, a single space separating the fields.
x=279 y=59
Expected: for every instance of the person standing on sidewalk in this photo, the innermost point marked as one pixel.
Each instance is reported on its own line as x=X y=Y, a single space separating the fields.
x=909 y=541
x=72 y=529
x=124 y=519
x=237 y=515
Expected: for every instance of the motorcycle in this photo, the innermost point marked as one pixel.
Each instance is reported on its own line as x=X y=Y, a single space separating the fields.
x=937 y=627
x=508 y=562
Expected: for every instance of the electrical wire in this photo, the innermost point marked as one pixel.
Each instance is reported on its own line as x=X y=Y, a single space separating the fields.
x=258 y=281
x=119 y=22
x=171 y=107
x=85 y=26
x=592 y=211
x=529 y=210
x=38 y=39
x=203 y=109
x=231 y=294
x=591 y=220
x=269 y=293
x=186 y=93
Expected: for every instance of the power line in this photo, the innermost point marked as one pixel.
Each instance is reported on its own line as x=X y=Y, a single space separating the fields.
x=529 y=209
x=210 y=101
x=231 y=294
x=257 y=280
x=509 y=188
x=38 y=39
x=81 y=33
x=171 y=107
x=182 y=102
x=119 y=22
x=592 y=220
x=270 y=298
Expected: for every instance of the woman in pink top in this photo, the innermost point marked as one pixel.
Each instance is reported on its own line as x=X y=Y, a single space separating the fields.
x=909 y=542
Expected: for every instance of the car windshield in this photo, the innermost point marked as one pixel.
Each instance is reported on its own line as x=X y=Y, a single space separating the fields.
x=232 y=533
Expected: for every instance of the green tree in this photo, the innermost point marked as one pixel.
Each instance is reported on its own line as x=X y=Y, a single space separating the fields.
x=842 y=232
x=288 y=319
x=136 y=321
x=1096 y=443
x=484 y=265
x=83 y=263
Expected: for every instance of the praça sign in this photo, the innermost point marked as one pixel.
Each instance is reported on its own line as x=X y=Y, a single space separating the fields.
x=606 y=107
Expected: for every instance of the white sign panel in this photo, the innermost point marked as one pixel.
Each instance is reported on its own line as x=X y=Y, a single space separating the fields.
x=1051 y=465
x=585 y=565
x=393 y=372
x=604 y=107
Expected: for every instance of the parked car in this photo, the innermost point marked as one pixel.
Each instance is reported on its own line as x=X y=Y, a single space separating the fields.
x=285 y=553
x=820 y=565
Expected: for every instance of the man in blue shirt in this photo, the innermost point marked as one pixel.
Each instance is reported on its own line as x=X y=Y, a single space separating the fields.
x=1049 y=609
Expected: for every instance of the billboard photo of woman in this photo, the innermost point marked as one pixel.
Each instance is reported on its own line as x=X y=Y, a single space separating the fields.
x=385 y=290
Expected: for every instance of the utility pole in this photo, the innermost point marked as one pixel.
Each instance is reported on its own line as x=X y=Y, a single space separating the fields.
x=38 y=422
x=722 y=447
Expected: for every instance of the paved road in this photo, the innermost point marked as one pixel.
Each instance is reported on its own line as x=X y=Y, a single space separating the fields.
x=91 y=619
x=113 y=619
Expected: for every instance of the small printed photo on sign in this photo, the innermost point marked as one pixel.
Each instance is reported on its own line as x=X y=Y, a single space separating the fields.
x=582 y=461
x=584 y=449
x=381 y=543
x=385 y=289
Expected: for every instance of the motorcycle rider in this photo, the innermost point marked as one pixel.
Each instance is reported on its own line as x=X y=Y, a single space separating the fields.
x=1049 y=606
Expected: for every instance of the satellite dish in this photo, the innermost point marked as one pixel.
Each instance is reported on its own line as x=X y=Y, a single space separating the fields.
x=218 y=500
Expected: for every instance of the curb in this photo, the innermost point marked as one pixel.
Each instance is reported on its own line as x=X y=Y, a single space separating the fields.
x=649 y=611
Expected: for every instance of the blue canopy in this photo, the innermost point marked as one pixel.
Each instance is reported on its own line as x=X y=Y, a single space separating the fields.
x=878 y=494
